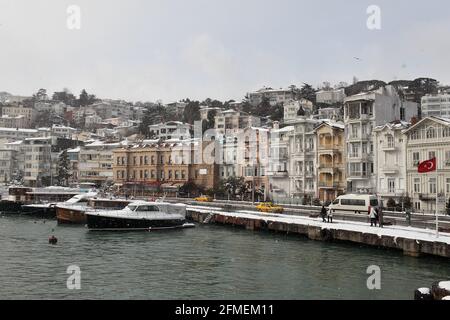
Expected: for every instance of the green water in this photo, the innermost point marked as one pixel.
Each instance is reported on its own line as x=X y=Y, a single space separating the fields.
x=206 y=262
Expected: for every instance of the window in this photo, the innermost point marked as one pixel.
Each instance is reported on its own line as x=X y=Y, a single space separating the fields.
x=390 y=141
x=417 y=185
x=416 y=158
x=431 y=133
x=432 y=185
x=431 y=155
x=391 y=185
x=446 y=132
x=415 y=135
x=447 y=185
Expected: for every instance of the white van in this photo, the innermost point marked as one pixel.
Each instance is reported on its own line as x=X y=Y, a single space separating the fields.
x=354 y=203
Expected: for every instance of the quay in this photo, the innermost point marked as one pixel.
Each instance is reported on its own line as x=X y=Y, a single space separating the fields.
x=411 y=241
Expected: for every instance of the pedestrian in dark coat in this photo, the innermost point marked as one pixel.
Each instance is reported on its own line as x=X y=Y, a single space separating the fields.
x=323 y=213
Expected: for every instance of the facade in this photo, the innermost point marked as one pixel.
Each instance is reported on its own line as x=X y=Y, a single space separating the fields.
x=168 y=166
x=362 y=113
x=292 y=107
x=274 y=96
x=302 y=158
x=425 y=140
x=171 y=130
x=330 y=177
x=13 y=134
x=38 y=161
x=437 y=105
x=19 y=111
x=63 y=131
x=8 y=165
x=13 y=122
x=278 y=166
x=331 y=96
x=390 y=160
x=74 y=155
x=231 y=121
x=334 y=114
x=95 y=162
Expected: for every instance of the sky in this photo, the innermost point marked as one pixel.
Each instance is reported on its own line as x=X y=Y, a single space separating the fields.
x=148 y=50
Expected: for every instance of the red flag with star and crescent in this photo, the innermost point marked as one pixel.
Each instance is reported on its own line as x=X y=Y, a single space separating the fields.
x=427 y=166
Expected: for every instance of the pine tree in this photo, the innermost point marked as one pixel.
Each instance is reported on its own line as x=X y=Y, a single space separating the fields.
x=63 y=169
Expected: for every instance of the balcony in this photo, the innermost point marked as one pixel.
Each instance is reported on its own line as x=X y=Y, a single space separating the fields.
x=427 y=197
x=358 y=175
x=328 y=185
x=390 y=170
x=389 y=148
x=309 y=174
x=278 y=174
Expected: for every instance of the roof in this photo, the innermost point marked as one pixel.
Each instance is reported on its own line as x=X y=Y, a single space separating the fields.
x=395 y=125
x=444 y=121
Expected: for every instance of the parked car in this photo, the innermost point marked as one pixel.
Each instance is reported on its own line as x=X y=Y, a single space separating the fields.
x=204 y=199
x=269 y=207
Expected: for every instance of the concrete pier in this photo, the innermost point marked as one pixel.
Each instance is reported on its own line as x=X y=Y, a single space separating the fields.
x=411 y=242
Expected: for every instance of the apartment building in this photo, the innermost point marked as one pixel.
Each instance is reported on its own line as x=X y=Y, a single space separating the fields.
x=331 y=96
x=291 y=108
x=302 y=158
x=8 y=165
x=330 y=141
x=390 y=160
x=362 y=113
x=74 y=158
x=231 y=121
x=425 y=140
x=278 y=165
x=25 y=116
x=274 y=96
x=39 y=169
x=13 y=122
x=171 y=130
x=95 y=162
x=437 y=105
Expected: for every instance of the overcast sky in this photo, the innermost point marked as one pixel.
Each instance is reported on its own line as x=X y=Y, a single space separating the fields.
x=144 y=50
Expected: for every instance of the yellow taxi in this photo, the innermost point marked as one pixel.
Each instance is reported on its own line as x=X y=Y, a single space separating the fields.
x=269 y=207
x=203 y=199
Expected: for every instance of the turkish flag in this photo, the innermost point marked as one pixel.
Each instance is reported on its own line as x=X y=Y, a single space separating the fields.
x=427 y=166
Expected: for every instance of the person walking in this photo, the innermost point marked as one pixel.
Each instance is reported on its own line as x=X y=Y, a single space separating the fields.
x=373 y=217
x=380 y=217
x=323 y=213
x=330 y=216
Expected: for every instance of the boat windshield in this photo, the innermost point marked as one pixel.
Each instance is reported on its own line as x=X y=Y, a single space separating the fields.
x=143 y=208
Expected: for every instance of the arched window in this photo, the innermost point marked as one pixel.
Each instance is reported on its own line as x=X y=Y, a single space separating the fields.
x=431 y=133
x=390 y=141
x=446 y=132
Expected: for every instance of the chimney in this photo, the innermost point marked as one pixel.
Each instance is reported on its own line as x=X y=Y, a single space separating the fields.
x=276 y=125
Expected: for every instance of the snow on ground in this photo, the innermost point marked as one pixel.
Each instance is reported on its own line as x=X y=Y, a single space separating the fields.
x=424 y=290
x=393 y=231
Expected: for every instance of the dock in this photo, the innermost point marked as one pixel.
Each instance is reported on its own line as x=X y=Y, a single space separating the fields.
x=411 y=241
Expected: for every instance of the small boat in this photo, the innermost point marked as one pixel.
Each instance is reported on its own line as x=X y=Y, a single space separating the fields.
x=72 y=211
x=139 y=215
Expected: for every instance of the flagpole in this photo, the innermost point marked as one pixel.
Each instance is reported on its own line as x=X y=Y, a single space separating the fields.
x=437 y=196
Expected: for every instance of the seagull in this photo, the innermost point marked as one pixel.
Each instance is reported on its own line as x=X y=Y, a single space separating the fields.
x=356 y=58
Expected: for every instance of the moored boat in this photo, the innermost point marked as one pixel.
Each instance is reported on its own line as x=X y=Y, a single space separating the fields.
x=139 y=215
x=43 y=210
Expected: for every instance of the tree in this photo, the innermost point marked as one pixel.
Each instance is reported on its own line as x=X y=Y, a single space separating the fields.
x=86 y=99
x=233 y=186
x=391 y=203
x=64 y=96
x=423 y=86
x=63 y=169
x=307 y=92
x=191 y=112
x=41 y=95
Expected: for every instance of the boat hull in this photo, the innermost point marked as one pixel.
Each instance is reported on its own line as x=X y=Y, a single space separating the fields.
x=70 y=216
x=10 y=207
x=40 y=212
x=98 y=222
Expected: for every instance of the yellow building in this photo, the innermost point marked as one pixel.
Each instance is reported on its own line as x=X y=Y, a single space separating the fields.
x=330 y=160
x=161 y=165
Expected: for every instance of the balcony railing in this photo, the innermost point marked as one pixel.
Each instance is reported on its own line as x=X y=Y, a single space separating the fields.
x=328 y=184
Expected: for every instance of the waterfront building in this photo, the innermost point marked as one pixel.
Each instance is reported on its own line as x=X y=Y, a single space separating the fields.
x=330 y=159
x=302 y=158
x=95 y=161
x=8 y=165
x=13 y=122
x=390 y=160
x=74 y=156
x=425 y=140
x=362 y=113
x=278 y=166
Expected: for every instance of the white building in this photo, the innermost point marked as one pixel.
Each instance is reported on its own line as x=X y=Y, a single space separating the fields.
x=13 y=134
x=292 y=107
x=302 y=158
x=278 y=168
x=331 y=96
x=171 y=130
x=63 y=131
x=231 y=121
x=437 y=105
x=8 y=165
x=329 y=113
x=362 y=113
x=390 y=160
x=28 y=115
x=38 y=161
x=274 y=96
x=427 y=139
